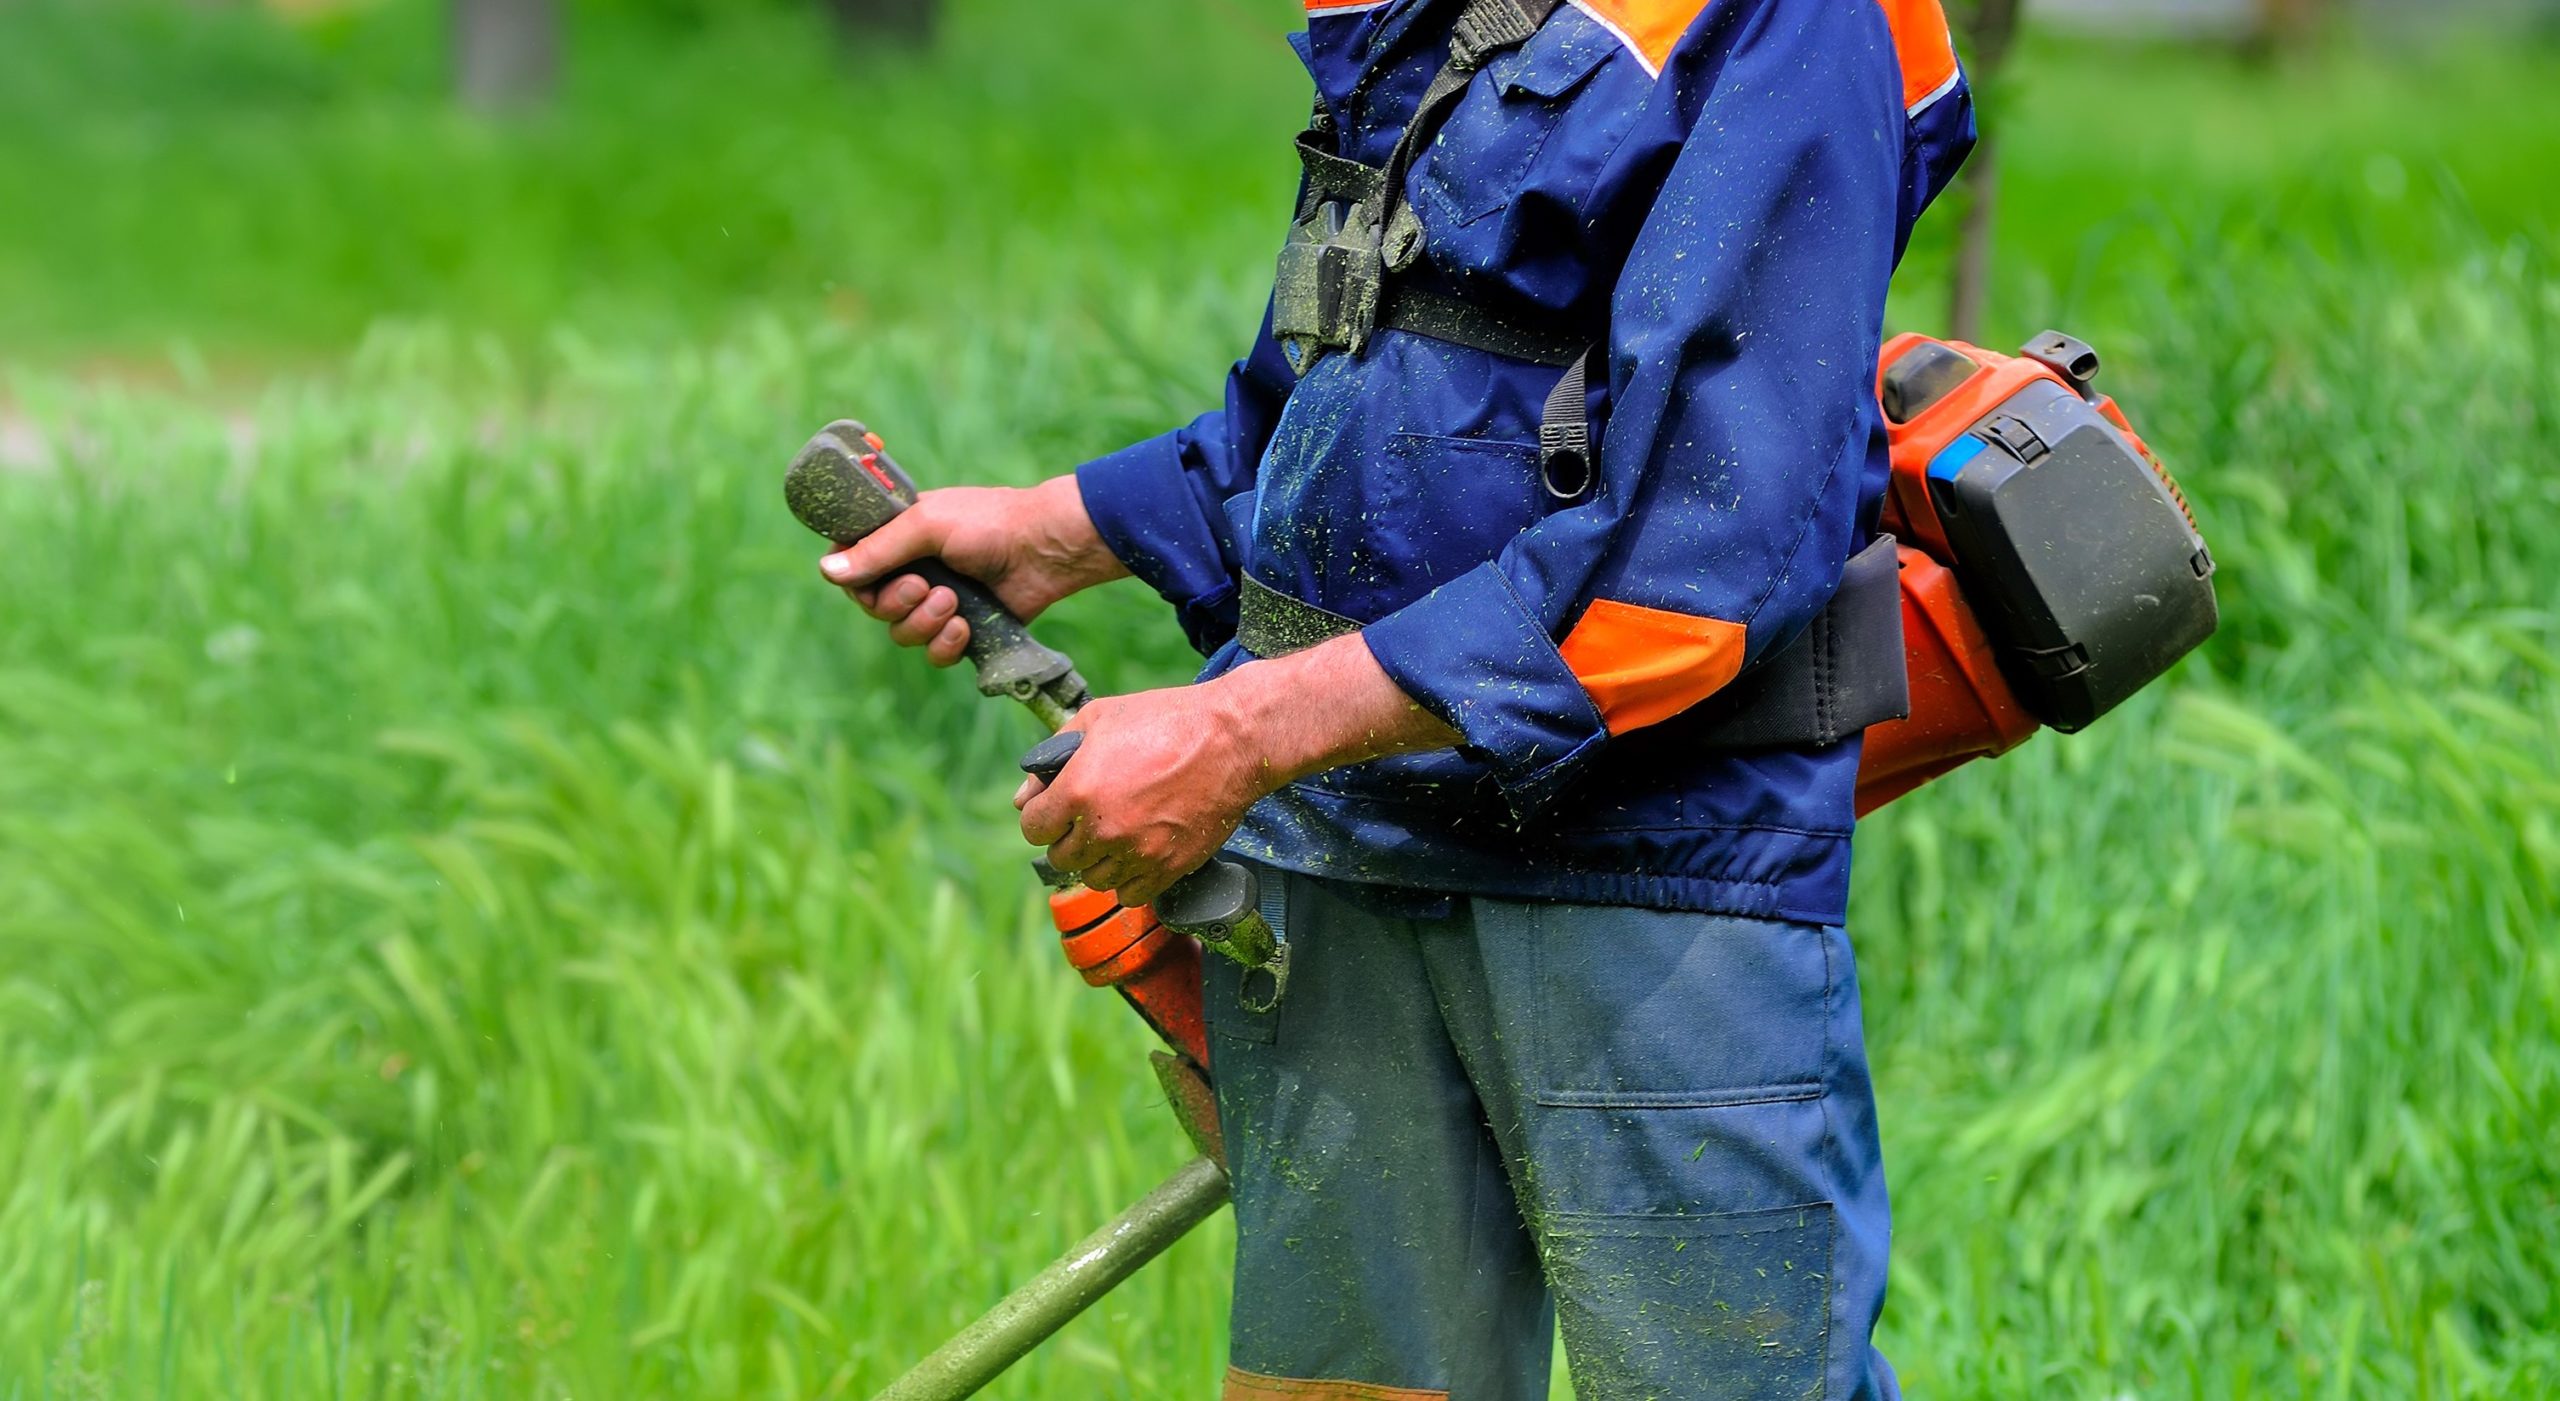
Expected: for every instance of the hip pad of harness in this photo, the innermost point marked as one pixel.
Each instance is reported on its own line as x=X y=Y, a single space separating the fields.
x=1843 y=673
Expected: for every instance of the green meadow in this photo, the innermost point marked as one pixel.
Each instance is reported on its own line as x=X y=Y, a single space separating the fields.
x=478 y=919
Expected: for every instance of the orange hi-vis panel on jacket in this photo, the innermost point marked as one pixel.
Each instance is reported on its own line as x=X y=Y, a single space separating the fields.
x=1652 y=28
x=1926 y=49
x=1644 y=665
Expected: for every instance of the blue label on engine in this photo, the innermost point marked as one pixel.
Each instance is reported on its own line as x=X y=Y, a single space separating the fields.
x=1952 y=458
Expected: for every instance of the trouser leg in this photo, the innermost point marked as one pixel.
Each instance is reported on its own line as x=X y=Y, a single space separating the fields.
x=1378 y=1248
x=1685 y=1102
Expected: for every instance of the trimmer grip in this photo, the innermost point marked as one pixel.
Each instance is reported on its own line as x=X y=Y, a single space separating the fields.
x=1009 y=660
x=1048 y=759
x=1219 y=904
x=844 y=486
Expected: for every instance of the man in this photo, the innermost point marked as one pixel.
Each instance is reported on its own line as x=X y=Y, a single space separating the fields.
x=1572 y=1028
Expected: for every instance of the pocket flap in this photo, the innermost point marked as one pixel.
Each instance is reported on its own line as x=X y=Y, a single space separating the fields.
x=1553 y=63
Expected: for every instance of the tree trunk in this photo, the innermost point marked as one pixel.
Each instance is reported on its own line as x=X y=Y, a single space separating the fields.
x=1990 y=27
x=1969 y=290
x=506 y=53
x=1994 y=25
x=896 y=21
x=2283 y=27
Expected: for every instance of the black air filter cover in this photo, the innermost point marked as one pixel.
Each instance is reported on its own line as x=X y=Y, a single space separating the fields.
x=2083 y=567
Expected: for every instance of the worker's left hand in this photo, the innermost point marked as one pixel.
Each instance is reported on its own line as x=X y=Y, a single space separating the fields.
x=1161 y=780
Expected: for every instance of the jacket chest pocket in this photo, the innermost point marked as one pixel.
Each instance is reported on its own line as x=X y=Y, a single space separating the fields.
x=1532 y=117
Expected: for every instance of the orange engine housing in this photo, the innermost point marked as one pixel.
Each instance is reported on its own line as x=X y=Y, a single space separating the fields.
x=1962 y=708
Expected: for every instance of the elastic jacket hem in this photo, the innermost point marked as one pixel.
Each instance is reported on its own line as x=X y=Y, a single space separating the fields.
x=1752 y=870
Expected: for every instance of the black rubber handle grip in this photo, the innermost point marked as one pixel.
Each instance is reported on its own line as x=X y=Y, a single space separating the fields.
x=1047 y=759
x=844 y=486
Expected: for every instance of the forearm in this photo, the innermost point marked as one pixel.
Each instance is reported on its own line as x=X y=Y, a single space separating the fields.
x=1065 y=542
x=1323 y=708
x=1164 y=776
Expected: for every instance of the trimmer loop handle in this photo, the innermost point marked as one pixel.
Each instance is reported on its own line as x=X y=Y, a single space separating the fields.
x=844 y=485
x=1219 y=904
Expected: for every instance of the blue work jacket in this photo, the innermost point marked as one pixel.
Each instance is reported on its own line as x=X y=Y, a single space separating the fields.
x=1719 y=193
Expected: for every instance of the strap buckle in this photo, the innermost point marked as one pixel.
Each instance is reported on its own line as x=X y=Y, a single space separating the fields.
x=1564 y=459
x=1564 y=432
x=1326 y=289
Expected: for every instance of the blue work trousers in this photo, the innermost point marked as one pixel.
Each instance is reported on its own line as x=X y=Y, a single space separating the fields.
x=1470 y=1118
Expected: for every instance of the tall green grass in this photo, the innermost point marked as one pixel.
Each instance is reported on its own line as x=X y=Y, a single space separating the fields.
x=477 y=919
x=209 y=174
x=481 y=920
x=206 y=174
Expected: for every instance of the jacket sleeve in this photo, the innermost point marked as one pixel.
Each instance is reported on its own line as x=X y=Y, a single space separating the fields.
x=1160 y=504
x=1741 y=366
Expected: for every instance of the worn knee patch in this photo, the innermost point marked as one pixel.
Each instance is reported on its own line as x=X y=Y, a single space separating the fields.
x=1694 y=1306
x=1253 y=1386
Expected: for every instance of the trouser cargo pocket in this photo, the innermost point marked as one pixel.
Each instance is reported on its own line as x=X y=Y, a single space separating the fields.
x=1659 y=1009
x=1694 y=1306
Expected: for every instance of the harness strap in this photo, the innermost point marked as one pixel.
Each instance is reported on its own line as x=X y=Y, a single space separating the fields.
x=1427 y=313
x=1270 y=623
x=1337 y=281
x=1844 y=672
x=1485 y=28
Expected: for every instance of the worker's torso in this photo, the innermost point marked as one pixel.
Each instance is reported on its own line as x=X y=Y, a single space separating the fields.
x=1402 y=467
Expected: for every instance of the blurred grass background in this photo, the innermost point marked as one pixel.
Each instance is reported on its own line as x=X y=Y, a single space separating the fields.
x=476 y=919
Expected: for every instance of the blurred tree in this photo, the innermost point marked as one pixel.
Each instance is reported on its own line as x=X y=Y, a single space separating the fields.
x=1987 y=28
x=2283 y=26
x=506 y=53
x=908 y=21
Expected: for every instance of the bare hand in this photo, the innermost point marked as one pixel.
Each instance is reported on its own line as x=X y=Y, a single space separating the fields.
x=1161 y=780
x=1030 y=547
x=1163 y=777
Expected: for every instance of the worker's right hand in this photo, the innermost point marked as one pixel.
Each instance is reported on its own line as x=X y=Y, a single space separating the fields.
x=1030 y=547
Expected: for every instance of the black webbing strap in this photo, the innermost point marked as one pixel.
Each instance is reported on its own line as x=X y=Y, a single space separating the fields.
x=1485 y=28
x=1844 y=672
x=1270 y=623
x=1371 y=199
x=1428 y=313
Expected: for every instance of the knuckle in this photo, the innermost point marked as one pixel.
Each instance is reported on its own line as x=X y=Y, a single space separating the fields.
x=930 y=518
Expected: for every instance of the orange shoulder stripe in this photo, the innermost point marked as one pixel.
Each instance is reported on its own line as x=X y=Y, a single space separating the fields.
x=1642 y=666
x=1650 y=27
x=1925 y=47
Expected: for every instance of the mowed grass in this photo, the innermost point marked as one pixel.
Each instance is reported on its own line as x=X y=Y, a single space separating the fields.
x=476 y=919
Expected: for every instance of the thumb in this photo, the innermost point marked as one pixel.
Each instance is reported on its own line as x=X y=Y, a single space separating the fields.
x=908 y=536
